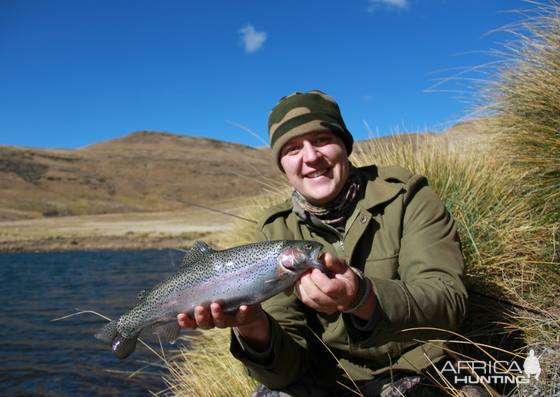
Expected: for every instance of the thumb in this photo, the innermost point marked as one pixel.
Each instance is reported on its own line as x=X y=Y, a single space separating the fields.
x=333 y=263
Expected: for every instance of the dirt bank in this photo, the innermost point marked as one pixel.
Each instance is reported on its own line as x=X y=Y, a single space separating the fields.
x=177 y=229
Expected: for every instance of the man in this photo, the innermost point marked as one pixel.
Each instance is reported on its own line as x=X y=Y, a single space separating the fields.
x=397 y=271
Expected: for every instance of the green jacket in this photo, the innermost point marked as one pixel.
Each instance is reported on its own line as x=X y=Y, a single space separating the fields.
x=403 y=238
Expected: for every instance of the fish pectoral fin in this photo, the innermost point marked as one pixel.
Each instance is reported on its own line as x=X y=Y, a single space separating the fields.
x=168 y=331
x=281 y=277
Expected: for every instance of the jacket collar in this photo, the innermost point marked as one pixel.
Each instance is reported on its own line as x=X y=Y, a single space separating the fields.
x=379 y=190
x=373 y=180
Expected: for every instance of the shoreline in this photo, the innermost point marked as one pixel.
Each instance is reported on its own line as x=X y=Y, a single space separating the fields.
x=136 y=231
x=97 y=243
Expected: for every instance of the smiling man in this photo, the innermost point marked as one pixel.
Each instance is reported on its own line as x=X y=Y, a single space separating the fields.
x=395 y=261
x=315 y=166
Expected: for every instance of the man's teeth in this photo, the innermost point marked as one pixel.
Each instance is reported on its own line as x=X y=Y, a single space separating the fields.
x=316 y=174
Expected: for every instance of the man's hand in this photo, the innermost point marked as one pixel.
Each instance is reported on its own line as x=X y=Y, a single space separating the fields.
x=250 y=321
x=324 y=294
x=218 y=319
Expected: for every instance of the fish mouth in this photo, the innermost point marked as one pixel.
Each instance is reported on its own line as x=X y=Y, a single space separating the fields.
x=296 y=259
x=314 y=261
x=315 y=254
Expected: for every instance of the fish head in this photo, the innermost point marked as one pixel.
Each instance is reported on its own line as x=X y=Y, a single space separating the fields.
x=298 y=256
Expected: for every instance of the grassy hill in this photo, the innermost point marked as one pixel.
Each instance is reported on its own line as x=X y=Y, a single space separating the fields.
x=127 y=174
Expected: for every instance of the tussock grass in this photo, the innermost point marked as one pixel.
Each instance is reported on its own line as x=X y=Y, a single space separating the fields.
x=243 y=232
x=522 y=91
x=204 y=367
x=503 y=242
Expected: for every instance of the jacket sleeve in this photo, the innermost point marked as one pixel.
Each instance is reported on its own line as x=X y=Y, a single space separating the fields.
x=289 y=360
x=429 y=292
x=286 y=315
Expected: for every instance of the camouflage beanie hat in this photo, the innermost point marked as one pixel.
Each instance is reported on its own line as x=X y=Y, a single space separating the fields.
x=297 y=114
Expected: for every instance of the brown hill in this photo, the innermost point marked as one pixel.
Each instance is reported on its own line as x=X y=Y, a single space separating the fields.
x=128 y=174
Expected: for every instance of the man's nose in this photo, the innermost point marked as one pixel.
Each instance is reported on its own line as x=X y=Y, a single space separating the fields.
x=310 y=152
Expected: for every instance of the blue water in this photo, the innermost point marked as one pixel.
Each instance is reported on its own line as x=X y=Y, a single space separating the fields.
x=39 y=357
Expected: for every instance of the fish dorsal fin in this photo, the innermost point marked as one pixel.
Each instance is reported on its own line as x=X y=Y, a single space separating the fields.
x=143 y=293
x=199 y=250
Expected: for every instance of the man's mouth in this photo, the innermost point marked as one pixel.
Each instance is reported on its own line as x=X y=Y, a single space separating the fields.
x=317 y=173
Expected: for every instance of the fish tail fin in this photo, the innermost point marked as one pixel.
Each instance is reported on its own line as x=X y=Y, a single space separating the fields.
x=108 y=332
x=122 y=347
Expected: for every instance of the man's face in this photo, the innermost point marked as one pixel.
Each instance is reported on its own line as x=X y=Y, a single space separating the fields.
x=316 y=165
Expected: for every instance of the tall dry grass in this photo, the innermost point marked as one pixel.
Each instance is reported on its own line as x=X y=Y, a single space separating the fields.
x=521 y=89
x=204 y=367
x=242 y=231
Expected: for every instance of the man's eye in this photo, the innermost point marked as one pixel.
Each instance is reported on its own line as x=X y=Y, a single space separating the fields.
x=321 y=140
x=290 y=150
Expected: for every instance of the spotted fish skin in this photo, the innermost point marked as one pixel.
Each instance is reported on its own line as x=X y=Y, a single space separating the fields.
x=242 y=275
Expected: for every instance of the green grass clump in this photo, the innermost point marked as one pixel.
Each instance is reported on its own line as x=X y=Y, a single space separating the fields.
x=522 y=92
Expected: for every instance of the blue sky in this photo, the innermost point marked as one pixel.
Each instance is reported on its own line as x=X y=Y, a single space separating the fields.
x=74 y=73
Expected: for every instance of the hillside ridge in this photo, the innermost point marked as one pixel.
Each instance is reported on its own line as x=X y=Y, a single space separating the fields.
x=127 y=174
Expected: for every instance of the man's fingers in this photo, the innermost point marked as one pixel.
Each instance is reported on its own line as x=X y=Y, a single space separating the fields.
x=202 y=318
x=310 y=294
x=334 y=263
x=186 y=322
x=215 y=317
x=218 y=316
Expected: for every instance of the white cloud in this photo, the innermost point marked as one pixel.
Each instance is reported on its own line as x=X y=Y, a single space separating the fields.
x=390 y=4
x=251 y=39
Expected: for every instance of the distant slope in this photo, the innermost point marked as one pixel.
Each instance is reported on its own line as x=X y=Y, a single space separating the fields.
x=127 y=174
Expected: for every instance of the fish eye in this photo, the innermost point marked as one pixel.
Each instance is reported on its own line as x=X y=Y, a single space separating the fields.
x=308 y=246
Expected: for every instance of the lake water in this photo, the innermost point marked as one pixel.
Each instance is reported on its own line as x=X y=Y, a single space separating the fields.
x=39 y=357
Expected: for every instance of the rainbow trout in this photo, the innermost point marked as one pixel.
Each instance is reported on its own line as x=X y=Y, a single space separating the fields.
x=242 y=275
